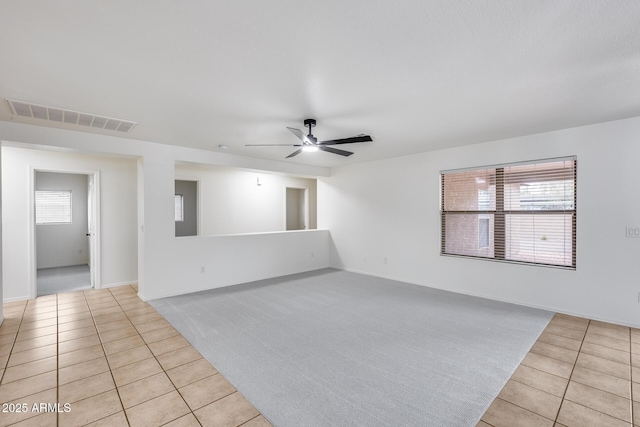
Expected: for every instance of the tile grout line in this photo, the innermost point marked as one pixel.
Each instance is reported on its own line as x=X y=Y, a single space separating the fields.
x=159 y=364
x=559 y=336
x=518 y=406
x=11 y=353
x=58 y=354
x=544 y=391
x=107 y=360
x=571 y=374
x=15 y=339
x=192 y=411
x=584 y=337
x=568 y=381
x=26 y=307
x=575 y=364
x=162 y=367
x=245 y=423
x=145 y=343
x=85 y=301
x=540 y=370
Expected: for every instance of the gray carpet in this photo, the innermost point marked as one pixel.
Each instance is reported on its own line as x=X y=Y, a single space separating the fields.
x=63 y=279
x=332 y=348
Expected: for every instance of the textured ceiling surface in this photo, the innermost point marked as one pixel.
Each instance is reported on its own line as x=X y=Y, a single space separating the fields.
x=416 y=75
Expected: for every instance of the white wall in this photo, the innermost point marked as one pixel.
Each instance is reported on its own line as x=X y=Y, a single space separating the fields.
x=231 y=201
x=1 y=285
x=118 y=213
x=174 y=265
x=160 y=253
x=233 y=259
x=390 y=209
x=375 y=210
x=62 y=245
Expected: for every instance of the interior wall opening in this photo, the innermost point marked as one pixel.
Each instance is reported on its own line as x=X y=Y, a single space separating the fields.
x=296 y=211
x=186 y=208
x=237 y=201
x=63 y=225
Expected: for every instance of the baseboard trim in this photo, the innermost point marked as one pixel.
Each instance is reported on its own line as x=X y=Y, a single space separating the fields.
x=225 y=285
x=113 y=285
x=540 y=307
x=110 y=285
x=15 y=299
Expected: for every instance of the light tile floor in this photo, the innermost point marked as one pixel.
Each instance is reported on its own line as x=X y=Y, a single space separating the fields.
x=114 y=360
x=117 y=362
x=579 y=372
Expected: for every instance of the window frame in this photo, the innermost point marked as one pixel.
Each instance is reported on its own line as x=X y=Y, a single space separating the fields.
x=181 y=219
x=37 y=211
x=499 y=213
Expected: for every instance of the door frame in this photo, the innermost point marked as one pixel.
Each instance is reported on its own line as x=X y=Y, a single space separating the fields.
x=94 y=241
x=306 y=205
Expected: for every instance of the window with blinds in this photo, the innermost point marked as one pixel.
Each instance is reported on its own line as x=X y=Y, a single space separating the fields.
x=179 y=208
x=53 y=207
x=523 y=212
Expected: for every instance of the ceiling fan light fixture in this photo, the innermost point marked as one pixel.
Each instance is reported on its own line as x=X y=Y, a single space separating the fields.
x=310 y=143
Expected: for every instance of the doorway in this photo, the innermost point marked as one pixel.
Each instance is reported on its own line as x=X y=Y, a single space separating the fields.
x=297 y=212
x=65 y=219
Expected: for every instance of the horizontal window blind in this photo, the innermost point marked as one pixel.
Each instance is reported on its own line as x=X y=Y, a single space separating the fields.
x=53 y=207
x=179 y=208
x=524 y=212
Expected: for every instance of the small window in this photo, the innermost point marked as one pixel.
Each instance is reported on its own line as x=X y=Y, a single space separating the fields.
x=53 y=207
x=179 y=208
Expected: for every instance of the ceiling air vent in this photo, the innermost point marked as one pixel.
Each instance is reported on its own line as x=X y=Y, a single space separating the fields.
x=25 y=109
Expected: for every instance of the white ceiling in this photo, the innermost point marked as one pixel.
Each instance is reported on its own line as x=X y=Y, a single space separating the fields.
x=417 y=75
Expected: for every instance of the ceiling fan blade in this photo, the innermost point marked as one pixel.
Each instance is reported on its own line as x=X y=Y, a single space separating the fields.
x=273 y=145
x=354 y=139
x=295 y=153
x=335 y=151
x=301 y=136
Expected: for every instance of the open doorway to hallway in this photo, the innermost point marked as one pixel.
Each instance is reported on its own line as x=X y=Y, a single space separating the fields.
x=64 y=231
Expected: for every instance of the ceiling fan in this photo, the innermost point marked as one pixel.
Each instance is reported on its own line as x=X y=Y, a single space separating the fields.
x=310 y=143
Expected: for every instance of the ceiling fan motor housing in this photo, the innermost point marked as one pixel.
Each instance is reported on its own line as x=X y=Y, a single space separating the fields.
x=311 y=123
